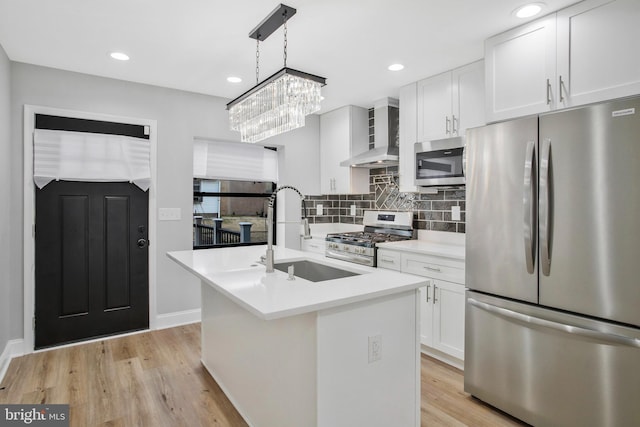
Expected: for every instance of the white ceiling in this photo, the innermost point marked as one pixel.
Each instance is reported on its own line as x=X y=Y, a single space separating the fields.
x=194 y=45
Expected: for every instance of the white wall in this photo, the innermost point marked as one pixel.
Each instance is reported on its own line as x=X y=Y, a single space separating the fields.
x=5 y=194
x=181 y=116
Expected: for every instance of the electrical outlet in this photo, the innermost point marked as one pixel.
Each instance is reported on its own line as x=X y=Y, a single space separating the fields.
x=169 y=214
x=375 y=348
x=353 y=210
x=319 y=209
x=455 y=213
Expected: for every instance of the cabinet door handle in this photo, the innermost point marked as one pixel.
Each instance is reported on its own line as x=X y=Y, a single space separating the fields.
x=548 y=92
x=435 y=300
x=446 y=125
x=426 y=267
x=428 y=290
x=453 y=124
x=560 y=86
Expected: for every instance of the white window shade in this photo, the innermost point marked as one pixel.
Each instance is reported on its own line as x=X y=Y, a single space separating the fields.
x=234 y=161
x=92 y=157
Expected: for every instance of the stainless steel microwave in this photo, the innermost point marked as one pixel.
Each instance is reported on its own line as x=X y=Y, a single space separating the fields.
x=440 y=163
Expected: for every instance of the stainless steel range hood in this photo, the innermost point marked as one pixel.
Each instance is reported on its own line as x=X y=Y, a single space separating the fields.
x=386 y=126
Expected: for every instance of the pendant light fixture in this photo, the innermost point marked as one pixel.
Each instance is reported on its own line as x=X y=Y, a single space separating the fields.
x=281 y=102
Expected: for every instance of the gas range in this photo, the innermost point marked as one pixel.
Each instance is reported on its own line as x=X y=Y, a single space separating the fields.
x=360 y=246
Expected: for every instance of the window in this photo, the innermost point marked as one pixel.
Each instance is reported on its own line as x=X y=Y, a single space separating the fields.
x=230 y=213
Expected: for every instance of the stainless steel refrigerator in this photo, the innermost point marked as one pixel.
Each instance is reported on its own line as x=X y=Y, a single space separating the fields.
x=553 y=266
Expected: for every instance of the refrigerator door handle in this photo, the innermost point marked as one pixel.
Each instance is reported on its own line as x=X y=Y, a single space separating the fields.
x=602 y=337
x=545 y=206
x=529 y=206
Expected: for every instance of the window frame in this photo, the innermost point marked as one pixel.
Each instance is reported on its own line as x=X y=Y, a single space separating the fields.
x=203 y=194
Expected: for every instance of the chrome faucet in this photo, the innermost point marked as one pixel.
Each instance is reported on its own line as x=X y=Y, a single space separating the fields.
x=268 y=259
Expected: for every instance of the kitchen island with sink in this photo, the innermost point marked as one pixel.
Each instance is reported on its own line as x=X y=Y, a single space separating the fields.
x=332 y=344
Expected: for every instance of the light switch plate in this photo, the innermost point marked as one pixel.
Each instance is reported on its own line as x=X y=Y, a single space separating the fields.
x=169 y=214
x=319 y=209
x=353 y=210
x=455 y=213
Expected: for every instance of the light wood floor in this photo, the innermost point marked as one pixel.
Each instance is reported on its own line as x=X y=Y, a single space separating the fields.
x=156 y=379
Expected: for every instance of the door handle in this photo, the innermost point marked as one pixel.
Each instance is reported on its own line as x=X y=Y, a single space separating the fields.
x=428 y=290
x=569 y=329
x=142 y=243
x=529 y=206
x=560 y=87
x=548 y=92
x=545 y=207
x=446 y=125
x=435 y=288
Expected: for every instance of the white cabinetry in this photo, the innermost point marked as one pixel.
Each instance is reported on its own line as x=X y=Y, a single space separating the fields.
x=315 y=244
x=520 y=70
x=581 y=54
x=344 y=132
x=451 y=102
x=597 y=51
x=442 y=301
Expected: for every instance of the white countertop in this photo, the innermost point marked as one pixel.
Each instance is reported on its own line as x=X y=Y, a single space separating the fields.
x=236 y=273
x=427 y=248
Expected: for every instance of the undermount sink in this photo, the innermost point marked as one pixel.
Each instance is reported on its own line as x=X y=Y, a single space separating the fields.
x=313 y=271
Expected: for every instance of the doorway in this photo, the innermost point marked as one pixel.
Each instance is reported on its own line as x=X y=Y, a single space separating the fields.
x=91 y=261
x=102 y=293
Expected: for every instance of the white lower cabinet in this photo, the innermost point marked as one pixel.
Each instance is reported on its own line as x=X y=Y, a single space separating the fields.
x=315 y=244
x=442 y=302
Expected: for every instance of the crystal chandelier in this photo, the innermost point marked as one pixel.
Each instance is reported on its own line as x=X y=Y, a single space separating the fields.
x=279 y=103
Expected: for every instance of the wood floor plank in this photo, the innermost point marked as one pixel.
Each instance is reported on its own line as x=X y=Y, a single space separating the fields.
x=156 y=379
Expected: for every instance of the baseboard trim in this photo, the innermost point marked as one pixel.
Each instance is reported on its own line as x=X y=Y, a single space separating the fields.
x=178 y=318
x=443 y=357
x=14 y=348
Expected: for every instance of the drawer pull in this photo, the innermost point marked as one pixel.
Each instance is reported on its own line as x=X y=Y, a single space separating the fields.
x=426 y=267
x=390 y=261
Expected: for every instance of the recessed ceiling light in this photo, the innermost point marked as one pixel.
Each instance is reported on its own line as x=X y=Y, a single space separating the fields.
x=233 y=79
x=528 y=10
x=120 y=56
x=395 y=67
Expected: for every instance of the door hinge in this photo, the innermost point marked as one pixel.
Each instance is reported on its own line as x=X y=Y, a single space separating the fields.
x=33 y=230
x=33 y=323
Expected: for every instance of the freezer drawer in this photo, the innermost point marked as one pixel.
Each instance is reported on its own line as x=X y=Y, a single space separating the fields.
x=550 y=368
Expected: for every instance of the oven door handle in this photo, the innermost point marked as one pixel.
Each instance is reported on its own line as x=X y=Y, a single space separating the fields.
x=359 y=259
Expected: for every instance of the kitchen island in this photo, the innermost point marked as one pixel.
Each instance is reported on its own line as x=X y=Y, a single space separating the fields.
x=339 y=352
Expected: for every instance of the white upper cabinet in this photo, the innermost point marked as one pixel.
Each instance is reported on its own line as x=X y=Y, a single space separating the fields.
x=344 y=132
x=408 y=137
x=520 y=70
x=597 y=51
x=468 y=96
x=450 y=102
x=582 y=54
x=435 y=98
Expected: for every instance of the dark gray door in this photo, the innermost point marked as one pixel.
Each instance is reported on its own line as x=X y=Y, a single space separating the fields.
x=91 y=261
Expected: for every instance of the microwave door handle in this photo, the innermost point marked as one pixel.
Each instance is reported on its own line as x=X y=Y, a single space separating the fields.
x=529 y=206
x=545 y=206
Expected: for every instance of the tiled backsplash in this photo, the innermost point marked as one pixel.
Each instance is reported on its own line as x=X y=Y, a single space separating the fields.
x=430 y=211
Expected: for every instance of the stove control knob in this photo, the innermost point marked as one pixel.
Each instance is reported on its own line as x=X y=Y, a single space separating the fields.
x=347 y=249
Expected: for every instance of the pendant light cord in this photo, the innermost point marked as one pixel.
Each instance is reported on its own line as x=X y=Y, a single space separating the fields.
x=257 y=59
x=285 y=39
